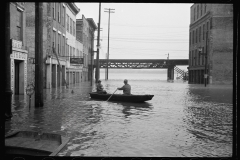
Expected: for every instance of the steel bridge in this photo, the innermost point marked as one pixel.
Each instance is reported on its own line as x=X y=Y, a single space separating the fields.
x=169 y=64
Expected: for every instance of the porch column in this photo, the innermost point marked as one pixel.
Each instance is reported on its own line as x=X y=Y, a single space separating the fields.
x=49 y=77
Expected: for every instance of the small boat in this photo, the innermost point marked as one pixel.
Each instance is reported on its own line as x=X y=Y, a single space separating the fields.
x=33 y=143
x=121 y=97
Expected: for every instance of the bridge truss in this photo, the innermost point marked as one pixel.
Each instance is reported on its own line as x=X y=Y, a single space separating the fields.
x=141 y=63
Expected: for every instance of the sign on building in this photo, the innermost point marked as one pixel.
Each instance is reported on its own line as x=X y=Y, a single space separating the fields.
x=76 y=61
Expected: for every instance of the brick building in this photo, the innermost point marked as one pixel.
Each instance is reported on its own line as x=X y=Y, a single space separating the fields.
x=19 y=53
x=211 y=43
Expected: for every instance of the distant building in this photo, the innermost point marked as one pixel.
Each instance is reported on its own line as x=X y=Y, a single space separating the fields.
x=19 y=53
x=212 y=23
x=85 y=33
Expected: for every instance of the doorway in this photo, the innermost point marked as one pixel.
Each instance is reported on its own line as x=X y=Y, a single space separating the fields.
x=18 y=77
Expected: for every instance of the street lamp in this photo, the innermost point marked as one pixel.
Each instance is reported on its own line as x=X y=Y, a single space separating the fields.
x=205 y=71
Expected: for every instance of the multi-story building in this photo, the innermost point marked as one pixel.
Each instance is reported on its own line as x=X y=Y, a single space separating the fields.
x=85 y=33
x=211 y=43
x=54 y=42
x=74 y=71
x=19 y=53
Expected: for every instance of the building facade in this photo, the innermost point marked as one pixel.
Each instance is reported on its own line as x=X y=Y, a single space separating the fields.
x=85 y=33
x=19 y=52
x=74 y=71
x=211 y=44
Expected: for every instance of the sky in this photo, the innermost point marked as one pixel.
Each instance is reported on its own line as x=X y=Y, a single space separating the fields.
x=141 y=30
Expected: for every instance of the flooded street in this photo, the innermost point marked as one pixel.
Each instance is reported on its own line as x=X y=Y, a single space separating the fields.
x=182 y=120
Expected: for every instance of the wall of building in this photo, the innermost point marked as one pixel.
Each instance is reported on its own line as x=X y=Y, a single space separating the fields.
x=221 y=58
x=218 y=21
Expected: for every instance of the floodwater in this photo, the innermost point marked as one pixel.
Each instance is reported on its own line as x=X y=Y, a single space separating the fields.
x=182 y=120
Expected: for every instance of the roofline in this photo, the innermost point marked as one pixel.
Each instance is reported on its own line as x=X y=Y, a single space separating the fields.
x=73 y=7
x=92 y=22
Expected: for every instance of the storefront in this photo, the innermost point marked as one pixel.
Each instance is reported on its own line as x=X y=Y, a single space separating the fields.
x=18 y=58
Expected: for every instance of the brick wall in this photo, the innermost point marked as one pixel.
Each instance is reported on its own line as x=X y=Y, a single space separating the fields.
x=30 y=36
x=222 y=50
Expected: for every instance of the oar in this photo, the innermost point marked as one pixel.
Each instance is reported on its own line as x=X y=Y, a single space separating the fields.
x=111 y=95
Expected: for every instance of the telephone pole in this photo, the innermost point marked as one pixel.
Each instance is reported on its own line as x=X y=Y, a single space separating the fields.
x=38 y=54
x=109 y=10
x=98 y=45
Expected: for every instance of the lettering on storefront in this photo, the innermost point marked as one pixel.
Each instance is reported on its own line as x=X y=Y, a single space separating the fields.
x=16 y=44
x=18 y=55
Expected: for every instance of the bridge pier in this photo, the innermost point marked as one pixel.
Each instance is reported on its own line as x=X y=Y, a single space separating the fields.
x=170 y=72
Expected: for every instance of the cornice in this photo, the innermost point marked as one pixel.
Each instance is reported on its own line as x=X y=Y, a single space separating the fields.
x=201 y=20
x=75 y=10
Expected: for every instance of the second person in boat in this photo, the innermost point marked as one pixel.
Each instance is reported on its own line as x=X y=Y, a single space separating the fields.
x=100 y=88
x=126 y=88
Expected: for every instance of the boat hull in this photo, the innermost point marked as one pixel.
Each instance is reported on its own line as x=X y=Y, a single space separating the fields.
x=34 y=144
x=121 y=97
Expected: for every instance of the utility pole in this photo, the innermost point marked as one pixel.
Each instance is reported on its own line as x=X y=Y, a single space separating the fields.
x=6 y=63
x=98 y=45
x=109 y=10
x=38 y=54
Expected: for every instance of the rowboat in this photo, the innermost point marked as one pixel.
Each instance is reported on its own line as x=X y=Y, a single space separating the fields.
x=121 y=97
x=33 y=143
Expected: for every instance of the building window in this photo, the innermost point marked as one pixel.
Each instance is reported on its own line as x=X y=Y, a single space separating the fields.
x=19 y=25
x=196 y=36
x=203 y=55
x=194 y=14
x=200 y=34
x=63 y=45
x=63 y=15
x=190 y=39
x=195 y=57
x=197 y=11
x=59 y=44
x=53 y=4
x=59 y=12
x=207 y=26
x=201 y=9
x=70 y=26
x=205 y=8
x=73 y=28
x=54 y=39
x=73 y=52
x=203 y=31
x=193 y=38
x=68 y=23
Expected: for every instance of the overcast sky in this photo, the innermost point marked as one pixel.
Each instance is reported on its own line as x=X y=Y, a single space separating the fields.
x=142 y=30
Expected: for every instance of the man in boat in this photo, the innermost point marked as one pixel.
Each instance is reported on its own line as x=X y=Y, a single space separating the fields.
x=126 y=88
x=100 y=88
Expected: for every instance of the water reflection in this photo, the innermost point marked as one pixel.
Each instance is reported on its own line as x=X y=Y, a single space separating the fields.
x=207 y=120
x=131 y=108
